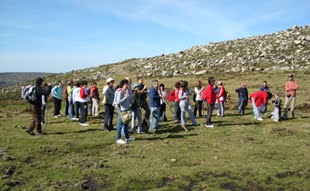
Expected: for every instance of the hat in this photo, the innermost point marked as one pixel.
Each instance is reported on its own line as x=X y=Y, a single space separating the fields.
x=219 y=83
x=291 y=76
x=135 y=85
x=110 y=80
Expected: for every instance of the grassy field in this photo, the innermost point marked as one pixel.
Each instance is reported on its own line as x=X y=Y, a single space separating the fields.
x=240 y=153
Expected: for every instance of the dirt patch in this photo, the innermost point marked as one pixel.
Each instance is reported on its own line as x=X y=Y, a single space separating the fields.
x=286 y=174
x=166 y=181
x=283 y=131
x=305 y=107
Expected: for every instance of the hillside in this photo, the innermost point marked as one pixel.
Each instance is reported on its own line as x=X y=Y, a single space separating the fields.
x=11 y=78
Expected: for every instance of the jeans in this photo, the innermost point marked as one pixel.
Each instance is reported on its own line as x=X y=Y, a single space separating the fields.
x=198 y=107
x=154 y=119
x=108 y=116
x=162 y=112
x=77 y=109
x=255 y=109
x=136 y=113
x=70 y=109
x=120 y=125
x=83 y=118
x=177 y=111
x=57 y=106
x=209 y=114
x=220 y=109
x=242 y=103
x=186 y=107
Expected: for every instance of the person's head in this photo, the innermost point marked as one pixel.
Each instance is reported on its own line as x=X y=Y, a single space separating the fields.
x=243 y=85
x=124 y=84
x=291 y=77
x=177 y=84
x=110 y=82
x=184 y=84
x=199 y=84
x=219 y=83
x=269 y=95
x=94 y=83
x=129 y=80
x=140 y=80
x=77 y=84
x=155 y=83
x=39 y=81
x=45 y=86
x=264 y=83
x=276 y=95
x=211 y=81
x=162 y=87
x=58 y=83
x=84 y=83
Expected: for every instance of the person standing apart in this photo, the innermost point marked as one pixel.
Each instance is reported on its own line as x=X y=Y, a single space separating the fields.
x=36 y=108
x=57 y=98
x=290 y=99
x=243 y=98
x=198 y=100
x=108 y=94
x=210 y=97
x=154 y=103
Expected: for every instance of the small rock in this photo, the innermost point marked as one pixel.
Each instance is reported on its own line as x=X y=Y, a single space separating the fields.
x=173 y=160
x=201 y=72
x=214 y=158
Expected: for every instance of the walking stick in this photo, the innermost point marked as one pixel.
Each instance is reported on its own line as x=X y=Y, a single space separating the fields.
x=168 y=106
x=140 y=110
x=45 y=120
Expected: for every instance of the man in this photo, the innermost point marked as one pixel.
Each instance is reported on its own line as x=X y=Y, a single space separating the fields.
x=264 y=88
x=36 y=108
x=243 y=98
x=75 y=100
x=259 y=100
x=57 y=98
x=44 y=102
x=122 y=103
x=84 y=98
x=94 y=94
x=290 y=99
x=136 y=112
x=142 y=94
x=210 y=97
x=108 y=94
x=154 y=103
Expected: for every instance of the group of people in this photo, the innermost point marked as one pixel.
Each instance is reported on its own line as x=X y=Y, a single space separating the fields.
x=130 y=101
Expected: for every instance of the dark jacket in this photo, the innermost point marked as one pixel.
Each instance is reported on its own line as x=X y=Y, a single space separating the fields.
x=265 y=89
x=154 y=99
x=242 y=93
x=40 y=92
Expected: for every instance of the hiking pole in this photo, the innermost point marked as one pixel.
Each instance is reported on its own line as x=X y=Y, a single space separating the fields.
x=141 y=112
x=168 y=106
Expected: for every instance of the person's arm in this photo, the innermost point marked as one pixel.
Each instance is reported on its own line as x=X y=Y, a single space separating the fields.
x=294 y=86
x=41 y=92
x=182 y=95
x=237 y=91
x=287 y=87
x=122 y=97
x=83 y=93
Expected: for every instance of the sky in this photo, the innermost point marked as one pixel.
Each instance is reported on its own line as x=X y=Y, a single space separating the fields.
x=63 y=35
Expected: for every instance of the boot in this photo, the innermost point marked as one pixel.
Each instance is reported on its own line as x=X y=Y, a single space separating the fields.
x=285 y=114
x=292 y=114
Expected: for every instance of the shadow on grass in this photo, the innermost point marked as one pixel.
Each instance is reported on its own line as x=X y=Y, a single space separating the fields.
x=73 y=132
x=168 y=137
x=238 y=124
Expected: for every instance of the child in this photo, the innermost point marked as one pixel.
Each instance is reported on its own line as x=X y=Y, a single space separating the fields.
x=277 y=107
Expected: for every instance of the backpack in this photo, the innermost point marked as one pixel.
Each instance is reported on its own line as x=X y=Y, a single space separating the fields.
x=171 y=96
x=226 y=95
x=30 y=94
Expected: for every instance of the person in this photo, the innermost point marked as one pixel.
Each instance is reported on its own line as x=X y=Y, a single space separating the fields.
x=185 y=105
x=66 y=98
x=163 y=101
x=36 y=108
x=142 y=95
x=94 y=94
x=198 y=100
x=277 y=108
x=136 y=112
x=44 y=102
x=290 y=99
x=108 y=94
x=176 y=103
x=75 y=100
x=83 y=99
x=220 y=96
x=69 y=99
x=243 y=98
x=259 y=100
x=121 y=102
x=210 y=97
x=57 y=98
x=154 y=103
x=264 y=88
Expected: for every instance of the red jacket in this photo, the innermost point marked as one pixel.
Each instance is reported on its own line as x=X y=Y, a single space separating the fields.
x=176 y=92
x=260 y=98
x=221 y=95
x=209 y=95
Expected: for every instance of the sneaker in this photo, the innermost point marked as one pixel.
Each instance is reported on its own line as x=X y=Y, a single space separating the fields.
x=260 y=119
x=120 y=141
x=76 y=119
x=84 y=124
x=55 y=116
x=276 y=120
x=130 y=139
x=59 y=115
x=209 y=126
x=30 y=132
x=196 y=125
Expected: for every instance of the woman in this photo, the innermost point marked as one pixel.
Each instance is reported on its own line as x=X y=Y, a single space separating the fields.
x=198 y=100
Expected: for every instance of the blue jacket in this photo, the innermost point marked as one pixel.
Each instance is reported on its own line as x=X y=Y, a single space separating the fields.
x=154 y=99
x=57 y=92
x=242 y=93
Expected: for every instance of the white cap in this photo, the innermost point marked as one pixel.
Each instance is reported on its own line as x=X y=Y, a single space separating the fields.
x=109 y=80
